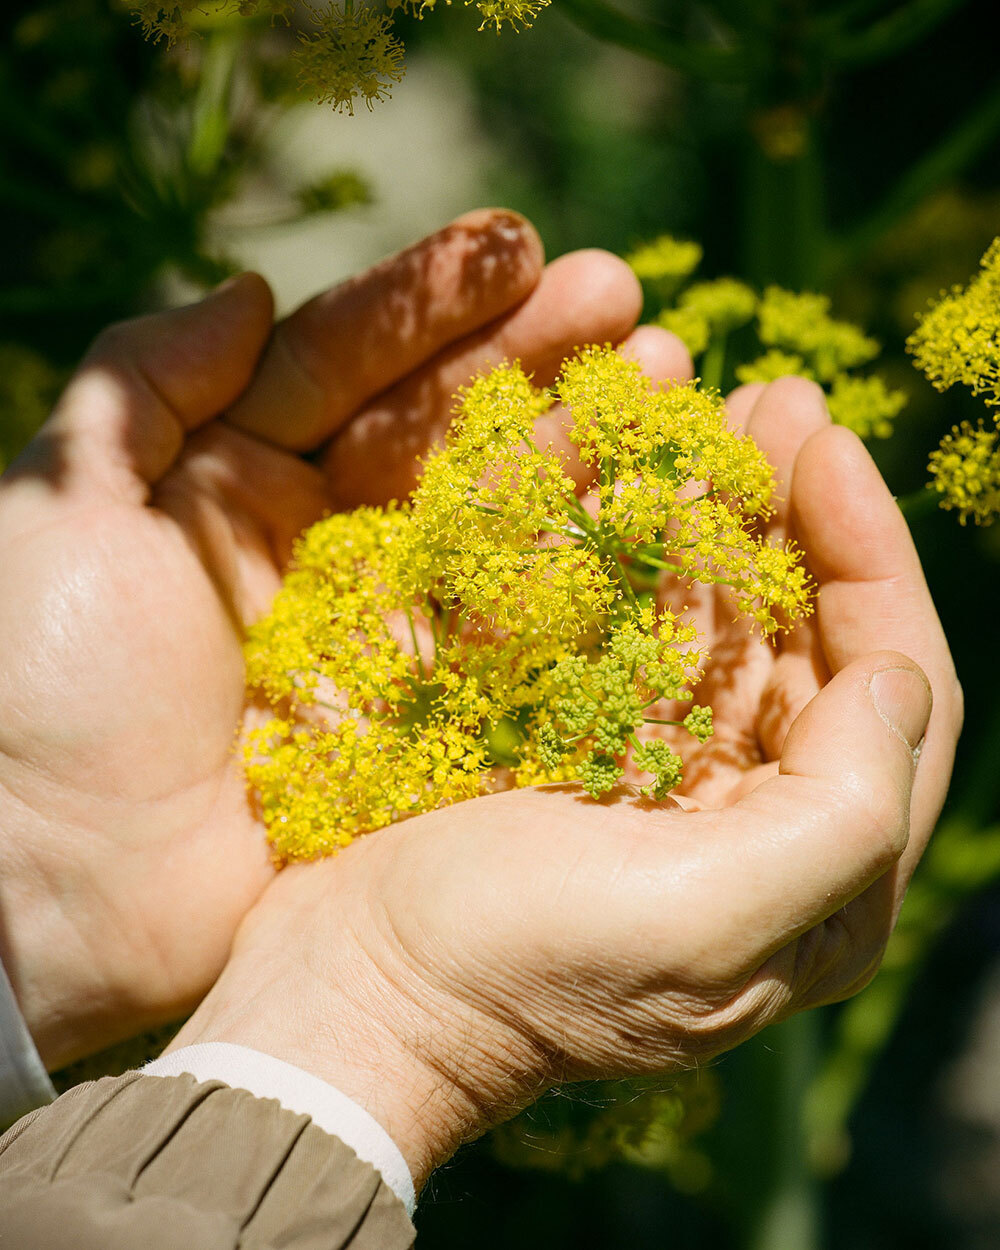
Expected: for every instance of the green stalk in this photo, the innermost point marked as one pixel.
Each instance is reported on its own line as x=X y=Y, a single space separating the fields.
x=788 y=1214
x=416 y=645
x=210 y=123
x=918 y=503
x=713 y=363
x=784 y=221
x=883 y=39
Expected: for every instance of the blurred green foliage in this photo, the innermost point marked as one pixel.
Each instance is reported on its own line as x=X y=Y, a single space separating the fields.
x=115 y=155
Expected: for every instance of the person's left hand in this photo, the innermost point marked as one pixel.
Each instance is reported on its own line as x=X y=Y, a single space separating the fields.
x=142 y=530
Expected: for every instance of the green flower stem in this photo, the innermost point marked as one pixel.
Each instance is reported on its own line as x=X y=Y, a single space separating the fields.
x=625 y=582
x=785 y=233
x=919 y=503
x=787 y=1213
x=713 y=363
x=663 y=564
x=851 y=13
x=416 y=646
x=212 y=103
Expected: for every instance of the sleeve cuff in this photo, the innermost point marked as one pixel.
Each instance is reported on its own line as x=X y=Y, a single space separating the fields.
x=24 y=1083
x=298 y=1091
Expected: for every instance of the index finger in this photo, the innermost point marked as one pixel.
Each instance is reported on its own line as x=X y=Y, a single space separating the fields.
x=349 y=343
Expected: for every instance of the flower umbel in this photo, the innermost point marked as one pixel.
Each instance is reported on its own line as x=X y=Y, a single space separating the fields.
x=493 y=630
x=958 y=340
x=351 y=55
x=792 y=333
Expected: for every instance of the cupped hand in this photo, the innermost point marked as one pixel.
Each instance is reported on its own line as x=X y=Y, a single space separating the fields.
x=142 y=530
x=445 y=971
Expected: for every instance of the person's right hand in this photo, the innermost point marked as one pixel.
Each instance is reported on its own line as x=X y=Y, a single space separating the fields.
x=444 y=971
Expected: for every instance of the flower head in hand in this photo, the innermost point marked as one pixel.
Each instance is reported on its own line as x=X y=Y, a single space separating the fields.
x=496 y=628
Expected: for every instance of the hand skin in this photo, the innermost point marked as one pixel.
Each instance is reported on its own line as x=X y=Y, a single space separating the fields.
x=445 y=971
x=142 y=530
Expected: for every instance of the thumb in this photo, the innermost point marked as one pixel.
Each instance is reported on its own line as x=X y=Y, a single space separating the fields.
x=837 y=816
x=146 y=383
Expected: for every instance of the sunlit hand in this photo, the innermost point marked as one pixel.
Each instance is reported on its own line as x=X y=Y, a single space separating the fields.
x=141 y=531
x=446 y=970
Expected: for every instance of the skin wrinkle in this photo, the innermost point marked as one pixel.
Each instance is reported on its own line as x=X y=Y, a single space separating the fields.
x=445 y=1076
x=518 y=1026
x=289 y=348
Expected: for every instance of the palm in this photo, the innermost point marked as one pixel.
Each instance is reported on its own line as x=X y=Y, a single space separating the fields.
x=135 y=711
x=138 y=537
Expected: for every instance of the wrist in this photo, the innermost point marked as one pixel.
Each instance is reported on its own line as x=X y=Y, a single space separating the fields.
x=422 y=1067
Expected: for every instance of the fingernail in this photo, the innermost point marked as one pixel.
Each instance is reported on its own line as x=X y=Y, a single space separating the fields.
x=903 y=700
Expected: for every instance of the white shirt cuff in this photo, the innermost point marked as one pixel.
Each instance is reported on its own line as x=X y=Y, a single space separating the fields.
x=298 y=1091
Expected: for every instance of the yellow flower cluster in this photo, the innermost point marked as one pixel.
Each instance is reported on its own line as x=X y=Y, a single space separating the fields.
x=166 y=19
x=350 y=54
x=689 y=325
x=492 y=621
x=965 y=471
x=800 y=323
x=346 y=54
x=796 y=332
x=665 y=262
x=864 y=405
x=653 y=446
x=709 y=309
x=958 y=340
x=514 y=12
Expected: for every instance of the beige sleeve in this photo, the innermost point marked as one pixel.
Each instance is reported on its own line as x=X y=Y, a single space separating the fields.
x=167 y=1163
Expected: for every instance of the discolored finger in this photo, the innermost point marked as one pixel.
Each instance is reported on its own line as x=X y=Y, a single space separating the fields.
x=348 y=344
x=584 y=297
